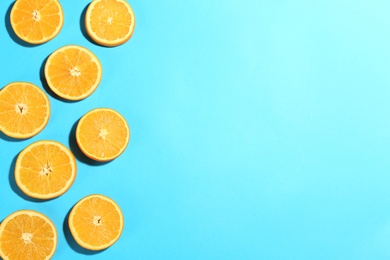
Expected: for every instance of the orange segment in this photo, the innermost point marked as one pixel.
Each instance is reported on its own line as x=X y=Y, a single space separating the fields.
x=73 y=72
x=27 y=234
x=45 y=170
x=109 y=22
x=96 y=222
x=102 y=134
x=36 y=21
x=24 y=110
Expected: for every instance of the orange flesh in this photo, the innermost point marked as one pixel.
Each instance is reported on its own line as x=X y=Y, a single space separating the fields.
x=27 y=235
x=110 y=20
x=102 y=134
x=24 y=109
x=72 y=72
x=45 y=169
x=36 y=20
x=97 y=222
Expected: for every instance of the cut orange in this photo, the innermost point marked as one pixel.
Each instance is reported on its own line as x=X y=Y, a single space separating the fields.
x=73 y=72
x=102 y=134
x=96 y=222
x=24 y=110
x=27 y=234
x=37 y=21
x=109 y=22
x=45 y=170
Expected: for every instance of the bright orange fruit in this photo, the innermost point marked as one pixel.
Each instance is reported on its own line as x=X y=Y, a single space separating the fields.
x=109 y=22
x=45 y=170
x=102 y=134
x=27 y=234
x=73 y=72
x=36 y=21
x=96 y=222
x=24 y=110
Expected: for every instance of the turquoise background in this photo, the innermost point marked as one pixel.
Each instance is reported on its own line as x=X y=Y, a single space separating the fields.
x=259 y=129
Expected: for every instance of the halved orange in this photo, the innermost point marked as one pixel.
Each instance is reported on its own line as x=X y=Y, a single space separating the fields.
x=45 y=169
x=27 y=234
x=109 y=22
x=36 y=21
x=73 y=72
x=102 y=134
x=24 y=110
x=96 y=222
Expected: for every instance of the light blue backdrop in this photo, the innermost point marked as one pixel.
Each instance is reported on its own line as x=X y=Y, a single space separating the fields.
x=260 y=129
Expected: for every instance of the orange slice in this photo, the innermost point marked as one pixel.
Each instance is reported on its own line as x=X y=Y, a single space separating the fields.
x=45 y=170
x=24 y=110
x=27 y=234
x=73 y=72
x=96 y=222
x=109 y=22
x=102 y=134
x=36 y=21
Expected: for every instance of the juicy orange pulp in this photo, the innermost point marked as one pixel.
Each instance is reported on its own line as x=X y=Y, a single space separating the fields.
x=73 y=72
x=96 y=222
x=45 y=170
x=24 y=110
x=36 y=21
x=110 y=22
x=102 y=134
x=27 y=234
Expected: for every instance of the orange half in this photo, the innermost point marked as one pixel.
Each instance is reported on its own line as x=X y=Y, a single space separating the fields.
x=96 y=222
x=24 y=110
x=27 y=234
x=109 y=22
x=45 y=170
x=102 y=134
x=73 y=72
x=36 y=21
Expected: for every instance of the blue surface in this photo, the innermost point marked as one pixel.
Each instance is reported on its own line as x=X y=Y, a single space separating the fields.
x=260 y=129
